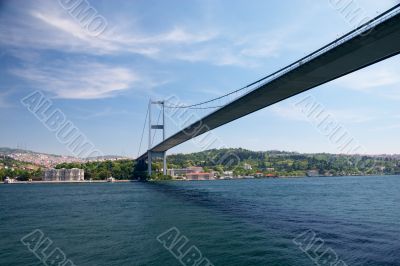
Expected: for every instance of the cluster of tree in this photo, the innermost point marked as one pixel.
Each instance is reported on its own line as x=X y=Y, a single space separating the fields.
x=120 y=169
x=286 y=163
x=244 y=162
x=21 y=171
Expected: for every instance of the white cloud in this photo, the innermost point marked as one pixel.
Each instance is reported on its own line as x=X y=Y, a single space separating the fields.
x=287 y=111
x=46 y=26
x=176 y=35
x=227 y=50
x=4 y=102
x=80 y=80
x=350 y=115
x=382 y=79
x=208 y=46
x=354 y=115
x=371 y=78
x=267 y=50
x=104 y=112
x=387 y=128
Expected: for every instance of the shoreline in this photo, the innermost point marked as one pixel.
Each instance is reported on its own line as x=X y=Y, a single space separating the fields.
x=69 y=182
x=174 y=180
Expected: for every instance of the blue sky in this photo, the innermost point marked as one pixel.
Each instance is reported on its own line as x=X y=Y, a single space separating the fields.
x=193 y=50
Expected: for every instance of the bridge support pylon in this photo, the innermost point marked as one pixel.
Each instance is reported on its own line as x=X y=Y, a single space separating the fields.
x=152 y=154
x=149 y=162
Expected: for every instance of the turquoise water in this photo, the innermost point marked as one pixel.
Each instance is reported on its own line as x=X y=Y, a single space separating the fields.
x=240 y=222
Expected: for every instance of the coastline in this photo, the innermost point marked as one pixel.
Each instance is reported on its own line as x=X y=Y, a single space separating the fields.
x=174 y=180
x=69 y=182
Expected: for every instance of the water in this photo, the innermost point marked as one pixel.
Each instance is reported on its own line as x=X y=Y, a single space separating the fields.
x=240 y=222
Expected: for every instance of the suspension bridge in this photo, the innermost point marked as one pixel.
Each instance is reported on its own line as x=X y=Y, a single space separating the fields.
x=372 y=42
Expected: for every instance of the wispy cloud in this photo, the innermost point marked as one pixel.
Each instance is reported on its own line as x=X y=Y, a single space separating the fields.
x=344 y=115
x=287 y=111
x=382 y=80
x=46 y=26
x=368 y=79
x=105 y=112
x=386 y=128
x=355 y=115
x=4 y=101
x=81 y=80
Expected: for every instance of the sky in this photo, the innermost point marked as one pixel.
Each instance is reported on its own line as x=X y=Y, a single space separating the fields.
x=192 y=51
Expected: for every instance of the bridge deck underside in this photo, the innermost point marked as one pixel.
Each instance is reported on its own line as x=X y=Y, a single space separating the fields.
x=361 y=51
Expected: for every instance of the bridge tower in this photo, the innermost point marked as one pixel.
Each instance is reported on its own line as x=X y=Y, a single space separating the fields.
x=158 y=126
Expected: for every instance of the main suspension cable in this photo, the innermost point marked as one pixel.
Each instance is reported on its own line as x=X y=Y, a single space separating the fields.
x=144 y=127
x=220 y=97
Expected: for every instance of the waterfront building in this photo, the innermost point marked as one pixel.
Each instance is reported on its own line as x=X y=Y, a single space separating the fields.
x=247 y=166
x=228 y=173
x=73 y=174
x=8 y=180
x=313 y=173
x=259 y=174
x=177 y=172
x=200 y=176
x=191 y=173
x=183 y=172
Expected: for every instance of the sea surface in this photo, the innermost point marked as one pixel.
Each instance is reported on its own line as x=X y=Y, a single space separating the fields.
x=231 y=222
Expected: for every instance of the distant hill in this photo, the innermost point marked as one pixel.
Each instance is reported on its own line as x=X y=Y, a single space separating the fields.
x=5 y=151
x=108 y=157
x=50 y=160
x=38 y=158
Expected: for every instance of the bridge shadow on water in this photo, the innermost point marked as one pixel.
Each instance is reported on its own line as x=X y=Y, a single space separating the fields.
x=284 y=221
x=260 y=214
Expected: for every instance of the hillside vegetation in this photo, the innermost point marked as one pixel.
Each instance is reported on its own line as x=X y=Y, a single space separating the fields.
x=275 y=163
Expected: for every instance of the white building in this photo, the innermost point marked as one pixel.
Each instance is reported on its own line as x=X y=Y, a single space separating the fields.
x=313 y=173
x=183 y=172
x=8 y=180
x=73 y=174
x=247 y=166
x=228 y=173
